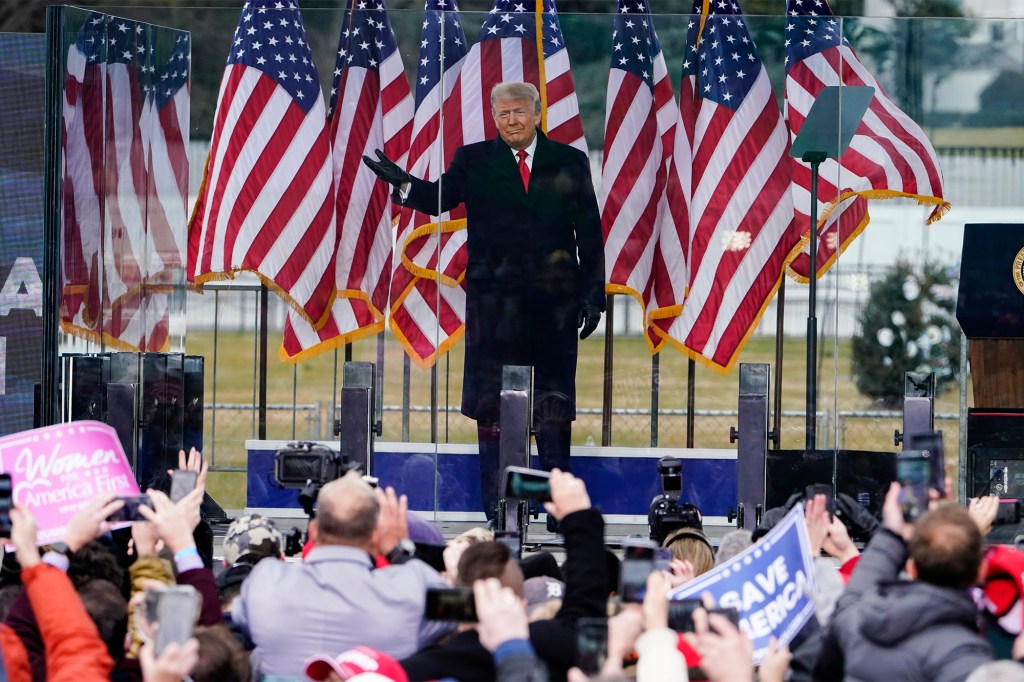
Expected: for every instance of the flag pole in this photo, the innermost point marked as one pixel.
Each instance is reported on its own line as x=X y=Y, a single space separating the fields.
x=655 y=396
x=780 y=323
x=691 y=395
x=815 y=159
x=609 y=356
x=262 y=428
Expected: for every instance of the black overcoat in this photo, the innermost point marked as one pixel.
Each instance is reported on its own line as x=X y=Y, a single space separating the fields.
x=534 y=258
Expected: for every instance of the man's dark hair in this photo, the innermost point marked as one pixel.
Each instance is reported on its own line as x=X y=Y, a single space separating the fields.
x=359 y=521
x=109 y=611
x=221 y=657
x=229 y=582
x=92 y=561
x=947 y=547
x=490 y=560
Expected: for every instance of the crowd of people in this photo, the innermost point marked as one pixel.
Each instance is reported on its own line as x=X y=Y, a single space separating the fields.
x=924 y=600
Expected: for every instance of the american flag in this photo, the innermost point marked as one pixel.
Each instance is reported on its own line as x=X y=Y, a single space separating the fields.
x=643 y=232
x=140 y=323
x=165 y=132
x=890 y=156
x=426 y=317
x=742 y=232
x=83 y=179
x=126 y=185
x=514 y=44
x=267 y=200
x=371 y=108
x=141 y=320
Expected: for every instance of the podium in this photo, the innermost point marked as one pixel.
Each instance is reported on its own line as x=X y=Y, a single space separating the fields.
x=990 y=310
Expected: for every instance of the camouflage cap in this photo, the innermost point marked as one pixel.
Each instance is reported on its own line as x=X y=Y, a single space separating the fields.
x=253 y=537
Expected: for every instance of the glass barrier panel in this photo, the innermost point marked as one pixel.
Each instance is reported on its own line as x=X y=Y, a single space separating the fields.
x=508 y=289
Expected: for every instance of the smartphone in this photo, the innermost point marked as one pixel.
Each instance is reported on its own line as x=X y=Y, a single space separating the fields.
x=637 y=563
x=6 y=502
x=592 y=644
x=130 y=511
x=527 y=484
x=680 y=614
x=455 y=604
x=931 y=443
x=512 y=540
x=183 y=481
x=173 y=610
x=822 y=489
x=914 y=474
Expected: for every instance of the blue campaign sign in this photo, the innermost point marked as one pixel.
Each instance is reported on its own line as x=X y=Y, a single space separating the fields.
x=770 y=583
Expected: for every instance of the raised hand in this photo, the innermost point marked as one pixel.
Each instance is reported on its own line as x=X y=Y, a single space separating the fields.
x=387 y=170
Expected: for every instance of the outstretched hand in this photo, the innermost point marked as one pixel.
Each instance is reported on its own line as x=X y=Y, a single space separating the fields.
x=386 y=169
x=90 y=521
x=590 y=315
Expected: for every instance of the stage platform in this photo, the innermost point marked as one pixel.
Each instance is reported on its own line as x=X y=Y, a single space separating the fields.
x=443 y=481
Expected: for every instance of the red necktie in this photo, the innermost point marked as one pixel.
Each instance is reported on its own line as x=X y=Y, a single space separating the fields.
x=524 y=170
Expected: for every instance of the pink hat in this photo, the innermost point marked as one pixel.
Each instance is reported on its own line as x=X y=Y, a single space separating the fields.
x=361 y=663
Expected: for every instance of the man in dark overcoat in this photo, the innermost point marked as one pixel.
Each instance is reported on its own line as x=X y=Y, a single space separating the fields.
x=535 y=268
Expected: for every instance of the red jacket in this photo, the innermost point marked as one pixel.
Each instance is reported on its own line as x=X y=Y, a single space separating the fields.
x=74 y=650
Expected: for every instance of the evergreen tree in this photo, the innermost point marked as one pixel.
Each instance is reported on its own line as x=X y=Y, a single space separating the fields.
x=908 y=324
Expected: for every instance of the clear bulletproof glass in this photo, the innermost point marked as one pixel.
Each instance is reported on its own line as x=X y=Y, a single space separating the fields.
x=631 y=405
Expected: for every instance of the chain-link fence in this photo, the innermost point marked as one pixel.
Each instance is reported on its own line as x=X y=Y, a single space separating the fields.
x=420 y=406
x=228 y=425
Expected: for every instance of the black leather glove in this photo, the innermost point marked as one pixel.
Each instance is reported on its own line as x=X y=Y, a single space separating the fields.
x=590 y=315
x=387 y=170
x=858 y=519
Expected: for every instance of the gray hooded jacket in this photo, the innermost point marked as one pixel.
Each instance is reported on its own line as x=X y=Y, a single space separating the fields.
x=889 y=629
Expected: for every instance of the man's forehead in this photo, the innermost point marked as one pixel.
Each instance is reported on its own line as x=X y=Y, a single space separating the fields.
x=509 y=104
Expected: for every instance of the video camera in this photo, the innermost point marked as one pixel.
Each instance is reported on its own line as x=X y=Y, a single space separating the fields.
x=666 y=514
x=307 y=467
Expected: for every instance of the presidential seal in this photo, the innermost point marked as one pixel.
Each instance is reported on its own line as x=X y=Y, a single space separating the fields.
x=1018 y=270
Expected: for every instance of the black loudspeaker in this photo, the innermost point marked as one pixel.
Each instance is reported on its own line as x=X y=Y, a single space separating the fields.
x=126 y=371
x=357 y=413
x=752 y=434
x=193 y=387
x=162 y=415
x=84 y=381
x=122 y=415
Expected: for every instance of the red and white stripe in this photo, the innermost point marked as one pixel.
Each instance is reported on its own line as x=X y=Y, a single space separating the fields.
x=889 y=156
x=83 y=195
x=124 y=227
x=267 y=203
x=424 y=316
x=140 y=323
x=165 y=142
x=741 y=223
x=374 y=111
x=638 y=221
